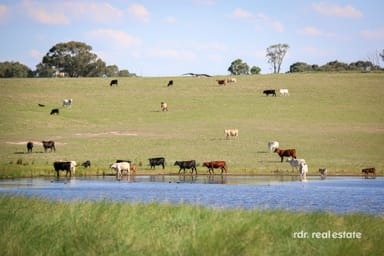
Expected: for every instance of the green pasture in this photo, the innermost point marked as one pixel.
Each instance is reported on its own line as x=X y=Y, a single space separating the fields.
x=334 y=120
x=31 y=226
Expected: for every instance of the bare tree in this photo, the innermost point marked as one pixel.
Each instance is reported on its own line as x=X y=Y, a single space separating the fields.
x=374 y=58
x=275 y=55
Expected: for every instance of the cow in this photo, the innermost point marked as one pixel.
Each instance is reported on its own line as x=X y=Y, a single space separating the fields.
x=67 y=102
x=120 y=161
x=113 y=82
x=69 y=167
x=170 y=83
x=222 y=81
x=285 y=152
x=55 y=111
x=164 y=106
x=295 y=162
x=231 y=80
x=191 y=164
x=41 y=105
x=303 y=170
x=272 y=145
x=367 y=171
x=323 y=172
x=86 y=164
x=271 y=91
x=231 y=133
x=29 y=147
x=49 y=145
x=120 y=168
x=284 y=92
x=215 y=165
x=156 y=161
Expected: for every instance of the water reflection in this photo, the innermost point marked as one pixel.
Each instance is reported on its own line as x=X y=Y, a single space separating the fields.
x=338 y=194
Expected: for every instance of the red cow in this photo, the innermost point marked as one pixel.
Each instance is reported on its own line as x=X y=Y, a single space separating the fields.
x=286 y=152
x=223 y=81
x=368 y=171
x=215 y=165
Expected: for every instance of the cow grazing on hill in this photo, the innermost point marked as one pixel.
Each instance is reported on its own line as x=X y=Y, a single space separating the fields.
x=113 y=82
x=156 y=161
x=367 y=171
x=285 y=152
x=67 y=102
x=49 y=145
x=284 y=92
x=29 y=147
x=55 y=111
x=170 y=83
x=272 y=145
x=68 y=167
x=215 y=165
x=231 y=133
x=222 y=81
x=191 y=164
x=164 y=106
x=271 y=91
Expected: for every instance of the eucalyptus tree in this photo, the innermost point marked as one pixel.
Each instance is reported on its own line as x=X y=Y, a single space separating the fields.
x=275 y=55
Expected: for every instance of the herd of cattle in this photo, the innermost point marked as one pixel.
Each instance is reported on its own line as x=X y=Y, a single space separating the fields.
x=121 y=166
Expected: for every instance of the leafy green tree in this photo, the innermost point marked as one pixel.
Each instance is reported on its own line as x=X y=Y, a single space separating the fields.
x=255 y=70
x=238 y=67
x=275 y=55
x=14 y=69
x=300 y=67
x=112 y=71
x=73 y=58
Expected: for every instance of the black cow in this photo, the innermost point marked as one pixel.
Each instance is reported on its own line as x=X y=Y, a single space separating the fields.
x=120 y=161
x=86 y=164
x=63 y=166
x=30 y=147
x=49 y=145
x=271 y=91
x=191 y=164
x=113 y=82
x=156 y=161
x=55 y=111
x=170 y=83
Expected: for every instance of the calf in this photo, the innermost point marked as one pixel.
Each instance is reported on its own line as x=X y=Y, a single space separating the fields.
x=156 y=161
x=231 y=133
x=367 y=171
x=271 y=91
x=49 y=145
x=215 y=165
x=222 y=81
x=29 y=147
x=55 y=111
x=86 y=164
x=323 y=172
x=67 y=102
x=272 y=145
x=191 y=164
x=285 y=152
x=113 y=82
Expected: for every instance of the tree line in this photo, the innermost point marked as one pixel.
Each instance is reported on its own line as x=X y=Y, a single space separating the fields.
x=75 y=59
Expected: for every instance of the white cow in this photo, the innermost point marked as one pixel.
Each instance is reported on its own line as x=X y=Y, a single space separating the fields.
x=303 y=170
x=295 y=162
x=73 y=167
x=67 y=102
x=232 y=80
x=272 y=145
x=284 y=92
x=164 y=106
x=231 y=133
x=120 y=168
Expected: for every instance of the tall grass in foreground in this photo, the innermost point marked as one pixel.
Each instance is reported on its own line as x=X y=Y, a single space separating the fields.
x=31 y=226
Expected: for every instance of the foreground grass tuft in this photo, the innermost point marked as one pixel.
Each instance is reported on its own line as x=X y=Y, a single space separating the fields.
x=31 y=226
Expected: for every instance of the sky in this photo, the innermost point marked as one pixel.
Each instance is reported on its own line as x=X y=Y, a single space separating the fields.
x=173 y=37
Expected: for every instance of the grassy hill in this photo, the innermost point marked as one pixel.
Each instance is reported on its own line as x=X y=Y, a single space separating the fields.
x=334 y=120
